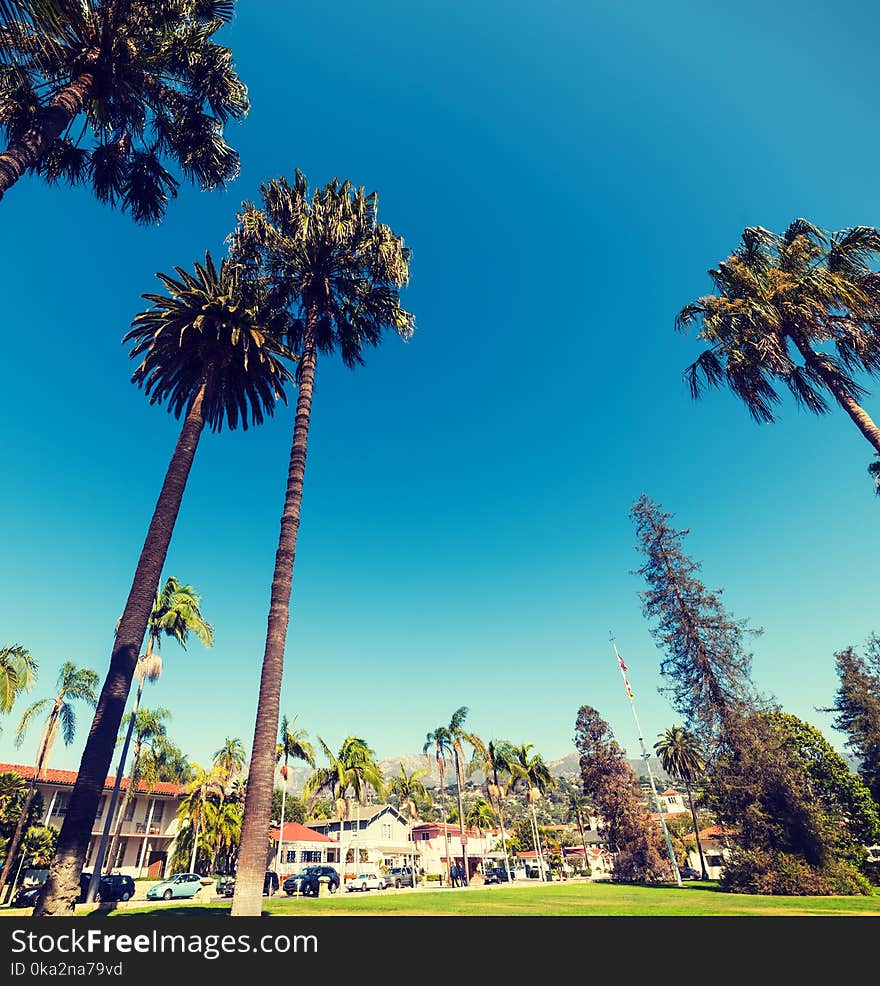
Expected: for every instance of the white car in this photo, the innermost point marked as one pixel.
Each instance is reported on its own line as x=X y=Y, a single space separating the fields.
x=366 y=881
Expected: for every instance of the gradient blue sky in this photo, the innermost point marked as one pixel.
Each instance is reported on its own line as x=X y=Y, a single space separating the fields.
x=565 y=174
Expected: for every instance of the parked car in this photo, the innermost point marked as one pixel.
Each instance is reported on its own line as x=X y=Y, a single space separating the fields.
x=497 y=874
x=366 y=881
x=226 y=884
x=306 y=881
x=688 y=873
x=116 y=886
x=180 y=886
x=399 y=876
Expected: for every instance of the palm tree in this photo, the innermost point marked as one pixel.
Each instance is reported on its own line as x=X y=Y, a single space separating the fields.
x=209 y=348
x=493 y=760
x=148 y=83
x=340 y=271
x=801 y=290
x=176 y=613
x=148 y=726
x=531 y=771
x=191 y=811
x=73 y=685
x=458 y=737
x=681 y=756
x=410 y=790
x=352 y=770
x=292 y=745
x=438 y=743
x=18 y=672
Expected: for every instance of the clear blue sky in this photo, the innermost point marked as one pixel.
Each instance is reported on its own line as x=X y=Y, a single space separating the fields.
x=565 y=174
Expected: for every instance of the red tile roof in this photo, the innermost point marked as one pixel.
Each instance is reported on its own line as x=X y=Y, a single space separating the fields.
x=294 y=832
x=68 y=778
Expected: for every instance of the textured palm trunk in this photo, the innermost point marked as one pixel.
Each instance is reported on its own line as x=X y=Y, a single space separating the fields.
x=703 y=871
x=42 y=755
x=857 y=413
x=247 y=899
x=62 y=887
x=28 y=150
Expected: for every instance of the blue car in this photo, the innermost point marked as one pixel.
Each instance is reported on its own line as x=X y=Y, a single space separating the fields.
x=182 y=885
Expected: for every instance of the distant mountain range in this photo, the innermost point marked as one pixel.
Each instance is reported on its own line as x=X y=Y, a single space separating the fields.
x=565 y=767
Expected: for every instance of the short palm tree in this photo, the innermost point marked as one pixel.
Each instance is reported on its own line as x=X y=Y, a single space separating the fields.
x=409 y=790
x=781 y=302
x=352 y=771
x=177 y=614
x=681 y=756
x=108 y=92
x=340 y=272
x=458 y=737
x=73 y=685
x=438 y=744
x=292 y=745
x=493 y=760
x=531 y=772
x=209 y=349
x=18 y=672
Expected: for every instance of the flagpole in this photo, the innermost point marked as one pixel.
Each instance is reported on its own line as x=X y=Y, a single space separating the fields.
x=645 y=757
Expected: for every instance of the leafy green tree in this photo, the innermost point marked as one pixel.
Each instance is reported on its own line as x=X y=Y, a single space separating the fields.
x=610 y=783
x=292 y=744
x=73 y=685
x=703 y=646
x=105 y=93
x=210 y=350
x=18 y=672
x=148 y=727
x=339 y=271
x=799 y=310
x=857 y=709
x=681 y=756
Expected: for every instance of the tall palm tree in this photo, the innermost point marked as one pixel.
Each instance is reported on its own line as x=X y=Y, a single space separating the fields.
x=73 y=685
x=340 y=271
x=681 y=756
x=18 y=672
x=148 y=726
x=781 y=298
x=532 y=772
x=438 y=744
x=458 y=737
x=409 y=790
x=176 y=613
x=209 y=348
x=292 y=744
x=493 y=762
x=352 y=771
x=107 y=92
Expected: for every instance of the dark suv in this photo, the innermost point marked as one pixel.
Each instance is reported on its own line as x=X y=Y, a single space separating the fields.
x=399 y=876
x=306 y=881
x=113 y=887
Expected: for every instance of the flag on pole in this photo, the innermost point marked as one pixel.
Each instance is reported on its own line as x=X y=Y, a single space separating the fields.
x=623 y=670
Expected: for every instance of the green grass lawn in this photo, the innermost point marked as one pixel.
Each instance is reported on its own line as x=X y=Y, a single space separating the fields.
x=549 y=900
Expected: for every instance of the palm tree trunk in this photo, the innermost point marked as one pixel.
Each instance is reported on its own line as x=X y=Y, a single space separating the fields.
x=42 y=753
x=857 y=413
x=28 y=150
x=703 y=871
x=62 y=887
x=247 y=899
